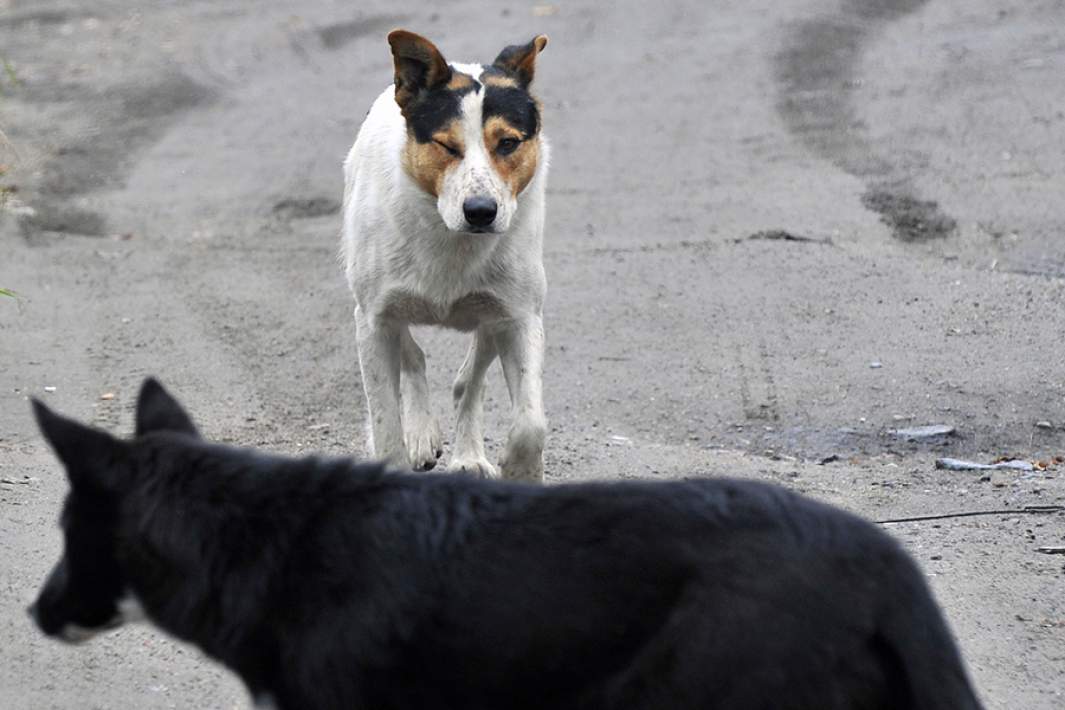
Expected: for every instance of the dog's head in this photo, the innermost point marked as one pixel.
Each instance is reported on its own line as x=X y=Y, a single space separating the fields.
x=86 y=592
x=473 y=132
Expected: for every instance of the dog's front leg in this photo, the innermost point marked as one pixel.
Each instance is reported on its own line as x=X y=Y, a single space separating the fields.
x=468 y=391
x=379 y=359
x=420 y=429
x=521 y=351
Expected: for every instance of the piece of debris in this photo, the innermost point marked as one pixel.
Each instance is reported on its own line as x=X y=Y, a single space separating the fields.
x=920 y=433
x=1026 y=510
x=831 y=458
x=107 y=396
x=1051 y=549
x=1044 y=425
x=875 y=365
x=780 y=235
x=49 y=388
x=960 y=465
x=544 y=10
x=24 y=481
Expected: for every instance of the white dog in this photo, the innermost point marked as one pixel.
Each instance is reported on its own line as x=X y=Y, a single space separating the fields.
x=443 y=225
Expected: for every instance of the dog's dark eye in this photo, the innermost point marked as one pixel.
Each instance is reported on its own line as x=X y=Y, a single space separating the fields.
x=507 y=146
x=451 y=151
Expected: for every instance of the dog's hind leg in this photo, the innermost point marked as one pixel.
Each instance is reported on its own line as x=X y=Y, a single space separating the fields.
x=469 y=403
x=379 y=360
x=421 y=432
x=521 y=350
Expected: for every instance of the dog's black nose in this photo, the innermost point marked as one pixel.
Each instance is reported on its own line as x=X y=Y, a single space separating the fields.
x=479 y=211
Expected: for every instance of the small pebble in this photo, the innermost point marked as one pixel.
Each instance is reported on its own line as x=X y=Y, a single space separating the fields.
x=1000 y=479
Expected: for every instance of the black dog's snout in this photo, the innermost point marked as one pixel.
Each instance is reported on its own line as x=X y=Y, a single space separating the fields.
x=480 y=211
x=32 y=611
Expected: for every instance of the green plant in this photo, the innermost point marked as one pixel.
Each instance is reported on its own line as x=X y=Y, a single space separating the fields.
x=11 y=75
x=8 y=292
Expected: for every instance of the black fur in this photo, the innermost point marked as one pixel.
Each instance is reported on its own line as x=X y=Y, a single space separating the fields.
x=157 y=410
x=328 y=584
x=513 y=104
x=431 y=110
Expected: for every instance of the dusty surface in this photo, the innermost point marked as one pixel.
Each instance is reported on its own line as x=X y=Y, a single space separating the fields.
x=900 y=165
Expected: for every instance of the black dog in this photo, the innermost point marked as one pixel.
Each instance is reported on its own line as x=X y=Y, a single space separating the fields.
x=329 y=584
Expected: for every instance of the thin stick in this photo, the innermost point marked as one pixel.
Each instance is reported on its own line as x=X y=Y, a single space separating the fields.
x=1026 y=510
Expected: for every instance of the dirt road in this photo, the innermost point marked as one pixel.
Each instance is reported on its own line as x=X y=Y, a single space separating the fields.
x=776 y=233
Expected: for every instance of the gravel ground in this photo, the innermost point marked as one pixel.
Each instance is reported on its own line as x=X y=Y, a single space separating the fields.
x=776 y=233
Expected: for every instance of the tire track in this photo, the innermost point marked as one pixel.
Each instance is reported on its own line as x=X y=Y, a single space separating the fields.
x=816 y=74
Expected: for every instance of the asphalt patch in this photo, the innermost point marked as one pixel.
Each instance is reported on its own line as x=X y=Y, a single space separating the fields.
x=37 y=17
x=64 y=219
x=128 y=119
x=336 y=35
x=910 y=219
x=306 y=207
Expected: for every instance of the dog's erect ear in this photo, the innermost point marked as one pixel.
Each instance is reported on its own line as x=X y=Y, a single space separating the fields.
x=157 y=410
x=419 y=65
x=520 y=59
x=89 y=455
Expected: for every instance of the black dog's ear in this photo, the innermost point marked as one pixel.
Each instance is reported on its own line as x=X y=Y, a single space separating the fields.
x=419 y=65
x=157 y=410
x=89 y=455
x=519 y=60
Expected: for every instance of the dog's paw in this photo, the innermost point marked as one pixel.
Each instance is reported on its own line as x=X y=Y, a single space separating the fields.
x=477 y=466
x=523 y=457
x=424 y=445
x=530 y=471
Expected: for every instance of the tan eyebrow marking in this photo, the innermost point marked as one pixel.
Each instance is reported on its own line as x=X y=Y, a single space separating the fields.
x=498 y=80
x=460 y=81
x=518 y=168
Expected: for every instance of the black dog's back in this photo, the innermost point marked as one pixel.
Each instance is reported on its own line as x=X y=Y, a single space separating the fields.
x=326 y=584
x=711 y=593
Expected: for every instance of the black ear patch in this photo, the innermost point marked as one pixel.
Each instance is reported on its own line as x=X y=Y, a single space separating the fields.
x=89 y=455
x=419 y=66
x=519 y=60
x=157 y=410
